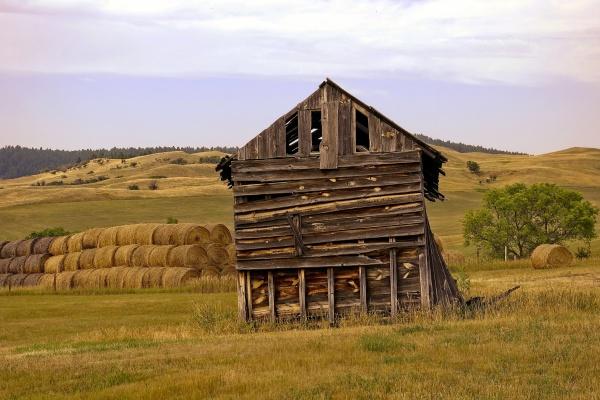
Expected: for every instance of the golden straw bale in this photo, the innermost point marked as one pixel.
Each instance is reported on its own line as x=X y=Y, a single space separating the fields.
x=210 y=271
x=96 y=279
x=47 y=281
x=103 y=274
x=191 y=255
x=25 y=247
x=4 y=279
x=59 y=245
x=191 y=234
x=141 y=255
x=228 y=270
x=2 y=243
x=126 y=234
x=80 y=278
x=54 y=264
x=17 y=265
x=105 y=257
x=144 y=233
x=9 y=250
x=75 y=242
x=4 y=263
x=220 y=234
x=72 y=261
x=124 y=254
x=217 y=255
x=159 y=256
x=86 y=261
x=64 y=280
x=135 y=278
x=116 y=277
x=153 y=278
x=32 y=279
x=108 y=237
x=42 y=245
x=35 y=263
x=16 y=280
x=551 y=256
x=231 y=252
x=176 y=277
x=165 y=234
x=91 y=237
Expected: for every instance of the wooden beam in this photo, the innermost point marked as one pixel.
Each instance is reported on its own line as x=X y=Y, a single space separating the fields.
x=331 y=294
x=393 y=281
x=302 y=292
x=329 y=144
x=249 y=293
x=314 y=262
x=425 y=279
x=362 y=277
x=304 y=135
x=345 y=133
x=242 y=299
x=271 y=289
x=374 y=133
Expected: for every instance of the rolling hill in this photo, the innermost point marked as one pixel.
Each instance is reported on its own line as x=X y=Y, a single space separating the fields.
x=190 y=190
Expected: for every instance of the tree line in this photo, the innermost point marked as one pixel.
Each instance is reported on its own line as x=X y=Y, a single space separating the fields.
x=16 y=161
x=463 y=148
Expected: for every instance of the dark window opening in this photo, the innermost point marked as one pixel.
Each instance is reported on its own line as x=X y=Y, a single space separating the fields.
x=316 y=132
x=291 y=135
x=362 y=132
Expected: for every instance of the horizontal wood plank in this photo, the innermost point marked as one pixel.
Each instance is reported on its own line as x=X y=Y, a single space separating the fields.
x=315 y=262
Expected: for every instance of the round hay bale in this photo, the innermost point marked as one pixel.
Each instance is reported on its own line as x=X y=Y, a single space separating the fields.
x=17 y=265
x=217 y=255
x=126 y=234
x=80 y=278
x=59 y=245
x=176 y=277
x=228 y=270
x=64 y=280
x=105 y=257
x=32 y=280
x=16 y=280
x=231 y=252
x=192 y=256
x=47 y=281
x=2 y=243
x=91 y=237
x=220 y=234
x=108 y=237
x=25 y=247
x=124 y=254
x=116 y=277
x=54 y=264
x=141 y=255
x=4 y=279
x=35 y=263
x=4 y=263
x=191 y=234
x=95 y=279
x=144 y=233
x=135 y=278
x=75 y=243
x=86 y=261
x=9 y=250
x=551 y=256
x=159 y=256
x=72 y=261
x=165 y=234
x=103 y=276
x=42 y=245
x=153 y=279
x=210 y=271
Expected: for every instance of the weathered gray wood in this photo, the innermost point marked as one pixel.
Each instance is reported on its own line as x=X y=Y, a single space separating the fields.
x=252 y=149
x=345 y=142
x=304 y=136
x=242 y=299
x=331 y=294
x=393 y=280
x=313 y=102
x=302 y=292
x=362 y=277
x=248 y=291
x=311 y=185
x=278 y=132
x=374 y=133
x=271 y=290
x=425 y=280
x=263 y=145
x=316 y=262
x=329 y=144
x=388 y=141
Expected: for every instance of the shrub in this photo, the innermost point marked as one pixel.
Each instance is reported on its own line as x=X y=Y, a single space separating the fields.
x=209 y=160
x=473 y=167
x=172 y=220
x=179 y=161
x=157 y=177
x=583 y=252
x=133 y=187
x=153 y=185
x=133 y=164
x=58 y=231
x=55 y=183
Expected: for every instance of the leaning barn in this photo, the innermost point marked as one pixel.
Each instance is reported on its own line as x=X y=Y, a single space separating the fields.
x=330 y=217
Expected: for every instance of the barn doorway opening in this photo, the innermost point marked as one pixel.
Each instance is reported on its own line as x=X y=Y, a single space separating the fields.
x=316 y=132
x=361 y=132
x=291 y=135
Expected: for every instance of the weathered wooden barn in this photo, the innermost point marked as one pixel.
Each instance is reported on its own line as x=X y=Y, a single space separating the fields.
x=330 y=218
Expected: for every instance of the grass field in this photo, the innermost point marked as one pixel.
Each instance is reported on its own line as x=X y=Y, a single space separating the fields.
x=543 y=342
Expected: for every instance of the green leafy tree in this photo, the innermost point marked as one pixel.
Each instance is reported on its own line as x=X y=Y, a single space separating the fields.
x=522 y=217
x=473 y=167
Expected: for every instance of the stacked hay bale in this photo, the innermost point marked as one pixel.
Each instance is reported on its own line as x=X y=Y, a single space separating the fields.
x=127 y=256
x=551 y=256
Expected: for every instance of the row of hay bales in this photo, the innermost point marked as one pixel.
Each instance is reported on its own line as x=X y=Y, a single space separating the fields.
x=114 y=278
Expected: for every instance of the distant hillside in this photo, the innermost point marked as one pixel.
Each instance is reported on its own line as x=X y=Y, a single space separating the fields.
x=463 y=148
x=16 y=161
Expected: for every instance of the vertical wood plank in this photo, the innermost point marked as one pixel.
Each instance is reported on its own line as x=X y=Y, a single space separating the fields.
x=249 y=294
x=388 y=141
x=401 y=145
x=345 y=134
x=393 y=281
x=329 y=144
x=271 y=289
x=242 y=299
x=302 y=292
x=279 y=137
x=304 y=136
x=425 y=280
x=362 y=278
x=269 y=142
x=263 y=145
x=251 y=152
x=374 y=133
x=331 y=294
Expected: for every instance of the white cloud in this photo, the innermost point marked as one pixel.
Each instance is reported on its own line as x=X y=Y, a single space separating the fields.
x=514 y=42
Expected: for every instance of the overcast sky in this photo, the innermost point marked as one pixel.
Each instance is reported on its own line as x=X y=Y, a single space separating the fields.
x=515 y=75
